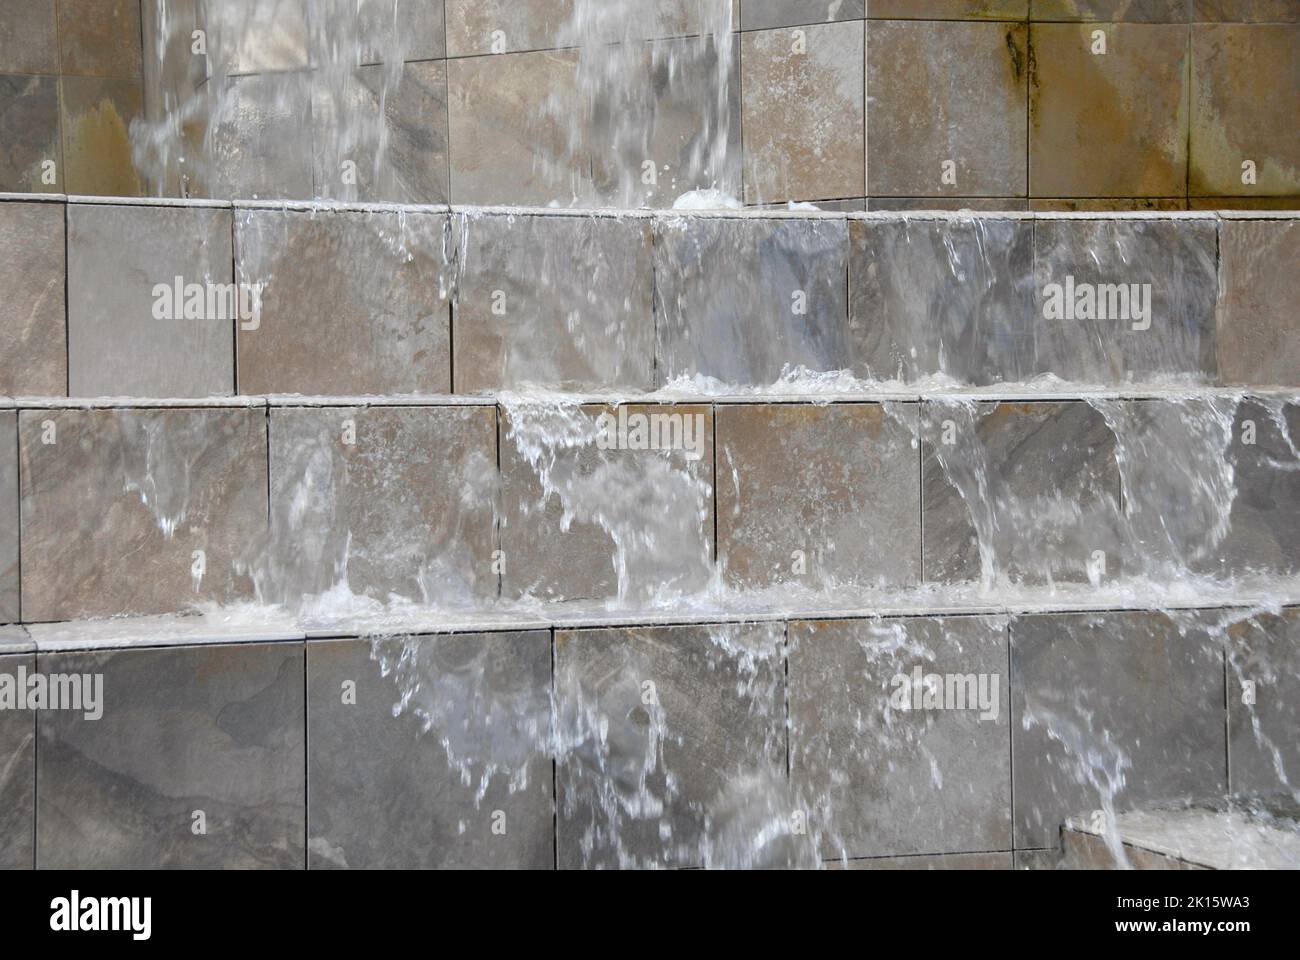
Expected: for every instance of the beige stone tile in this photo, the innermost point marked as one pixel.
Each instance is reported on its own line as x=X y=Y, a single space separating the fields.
x=97 y=118
x=948 y=9
x=100 y=38
x=767 y=14
x=1247 y=11
x=1112 y=11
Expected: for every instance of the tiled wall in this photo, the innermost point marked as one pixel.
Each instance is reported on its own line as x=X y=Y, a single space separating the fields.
x=468 y=302
x=71 y=84
x=372 y=787
x=887 y=105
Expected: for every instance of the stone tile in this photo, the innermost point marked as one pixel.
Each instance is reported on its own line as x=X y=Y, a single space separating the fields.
x=1112 y=125
x=511 y=137
x=1264 y=530
x=154 y=486
x=1243 y=203
x=212 y=729
x=116 y=257
x=17 y=777
x=584 y=522
x=669 y=735
x=948 y=9
x=1129 y=703
x=742 y=299
x=1108 y=204
x=663 y=110
x=401 y=30
x=30 y=138
x=9 y=608
x=1263 y=655
x=562 y=302
x=987 y=467
x=1245 y=108
x=972 y=79
x=33 y=314
x=260 y=138
x=353 y=302
x=1257 y=340
x=1140 y=11
x=952 y=861
x=405 y=509
x=1084 y=851
x=883 y=778
x=1176 y=258
x=473 y=25
x=766 y=14
x=858 y=205
x=949 y=296
x=29 y=38
x=409 y=119
x=97 y=118
x=398 y=787
x=256 y=36
x=837 y=484
x=804 y=113
x=984 y=204
x=1247 y=11
x=100 y=38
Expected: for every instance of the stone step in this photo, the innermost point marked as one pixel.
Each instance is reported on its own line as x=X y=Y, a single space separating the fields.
x=386 y=299
x=706 y=742
x=109 y=509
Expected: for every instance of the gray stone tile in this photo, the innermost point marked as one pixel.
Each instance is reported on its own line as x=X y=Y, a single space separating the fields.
x=818 y=495
x=17 y=777
x=99 y=38
x=1085 y=851
x=672 y=108
x=1264 y=703
x=804 y=113
x=511 y=122
x=1140 y=11
x=256 y=36
x=562 y=302
x=97 y=117
x=1264 y=531
x=1257 y=340
x=1019 y=492
x=353 y=302
x=259 y=141
x=33 y=318
x=951 y=296
x=663 y=729
x=116 y=506
x=580 y=521
x=1247 y=11
x=883 y=778
x=390 y=145
x=982 y=204
x=30 y=137
x=1127 y=704
x=952 y=861
x=973 y=80
x=116 y=257
x=405 y=509
x=212 y=729
x=474 y=26
x=29 y=38
x=458 y=777
x=1245 y=104
x=401 y=29
x=15 y=639
x=948 y=9
x=741 y=299
x=9 y=606
x=1174 y=262
x=766 y=14
x=1112 y=125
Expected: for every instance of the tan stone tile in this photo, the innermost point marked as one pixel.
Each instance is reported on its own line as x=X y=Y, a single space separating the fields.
x=1112 y=11
x=100 y=38
x=947 y=93
x=1245 y=108
x=1106 y=204
x=1113 y=124
x=32 y=312
x=1247 y=11
x=948 y=9
x=803 y=113
x=97 y=117
x=475 y=26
